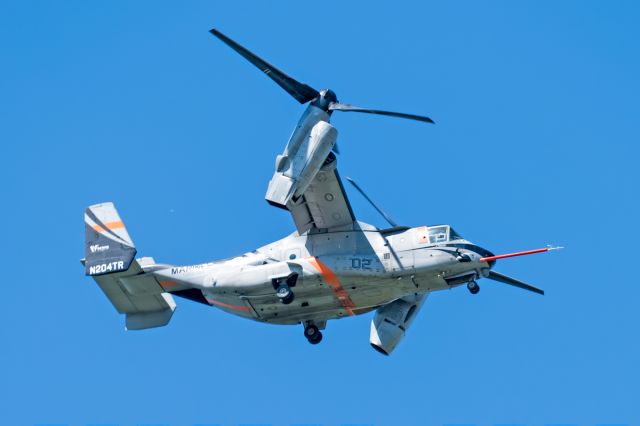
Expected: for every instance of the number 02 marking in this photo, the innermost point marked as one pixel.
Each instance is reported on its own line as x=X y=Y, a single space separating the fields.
x=358 y=263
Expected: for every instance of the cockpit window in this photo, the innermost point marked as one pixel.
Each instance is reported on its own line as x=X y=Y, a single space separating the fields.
x=453 y=235
x=438 y=234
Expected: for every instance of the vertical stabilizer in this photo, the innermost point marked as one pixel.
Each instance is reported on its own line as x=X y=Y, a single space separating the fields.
x=108 y=247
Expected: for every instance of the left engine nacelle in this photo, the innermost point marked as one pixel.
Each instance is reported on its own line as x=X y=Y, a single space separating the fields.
x=391 y=322
x=306 y=152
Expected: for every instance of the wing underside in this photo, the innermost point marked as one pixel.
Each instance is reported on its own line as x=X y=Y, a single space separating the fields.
x=324 y=204
x=306 y=181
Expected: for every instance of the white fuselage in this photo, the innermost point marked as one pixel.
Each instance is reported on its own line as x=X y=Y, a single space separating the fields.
x=341 y=273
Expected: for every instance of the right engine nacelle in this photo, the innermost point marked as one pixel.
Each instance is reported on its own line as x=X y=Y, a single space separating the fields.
x=391 y=322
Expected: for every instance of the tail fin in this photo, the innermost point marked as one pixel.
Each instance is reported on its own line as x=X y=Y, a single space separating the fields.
x=108 y=247
x=110 y=260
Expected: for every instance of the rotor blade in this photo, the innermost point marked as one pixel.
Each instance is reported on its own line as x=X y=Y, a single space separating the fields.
x=336 y=106
x=496 y=276
x=379 y=210
x=300 y=91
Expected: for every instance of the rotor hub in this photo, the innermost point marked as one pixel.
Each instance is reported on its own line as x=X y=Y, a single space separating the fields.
x=325 y=98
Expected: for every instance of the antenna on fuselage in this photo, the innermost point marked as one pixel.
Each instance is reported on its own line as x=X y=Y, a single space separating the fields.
x=375 y=206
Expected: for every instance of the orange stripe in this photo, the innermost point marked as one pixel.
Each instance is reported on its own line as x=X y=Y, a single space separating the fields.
x=166 y=284
x=226 y=305
x=114 y=225
x=109 y=225
x=334 y=283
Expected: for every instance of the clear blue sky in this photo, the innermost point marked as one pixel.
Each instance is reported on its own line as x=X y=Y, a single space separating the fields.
x=536 y=142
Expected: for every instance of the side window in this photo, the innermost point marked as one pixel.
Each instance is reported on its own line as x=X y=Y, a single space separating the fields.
x=438 y=234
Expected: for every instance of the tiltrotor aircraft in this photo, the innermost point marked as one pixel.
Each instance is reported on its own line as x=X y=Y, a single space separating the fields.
x=333 y=266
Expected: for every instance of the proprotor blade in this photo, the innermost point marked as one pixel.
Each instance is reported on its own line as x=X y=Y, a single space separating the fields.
x=352 y=108
x=496 y=276
x=300 y=91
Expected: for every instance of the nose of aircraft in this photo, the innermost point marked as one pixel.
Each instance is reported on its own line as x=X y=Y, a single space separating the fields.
x=479 y=254
x=484 y=253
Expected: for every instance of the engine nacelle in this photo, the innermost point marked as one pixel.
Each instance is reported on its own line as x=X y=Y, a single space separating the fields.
x=308 y=148
x=391 y=322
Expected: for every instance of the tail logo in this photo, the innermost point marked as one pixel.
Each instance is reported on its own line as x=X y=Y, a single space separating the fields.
x=97 y=248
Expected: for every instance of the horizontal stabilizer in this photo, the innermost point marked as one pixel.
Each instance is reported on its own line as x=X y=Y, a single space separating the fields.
x=139 y=296
x=143 y=320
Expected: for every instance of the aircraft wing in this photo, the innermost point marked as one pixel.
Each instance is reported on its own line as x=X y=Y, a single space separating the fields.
x=306 y=181
x=324 y=204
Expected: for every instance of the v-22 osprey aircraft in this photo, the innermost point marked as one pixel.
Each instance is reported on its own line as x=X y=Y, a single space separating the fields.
x=333 y=266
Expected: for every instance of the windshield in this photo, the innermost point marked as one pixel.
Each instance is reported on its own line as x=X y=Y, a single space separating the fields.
x=442 y=234
x=453 y=235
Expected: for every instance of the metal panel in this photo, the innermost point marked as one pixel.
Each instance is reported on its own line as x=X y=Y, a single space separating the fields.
x=326 y=204
x=132 y=292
